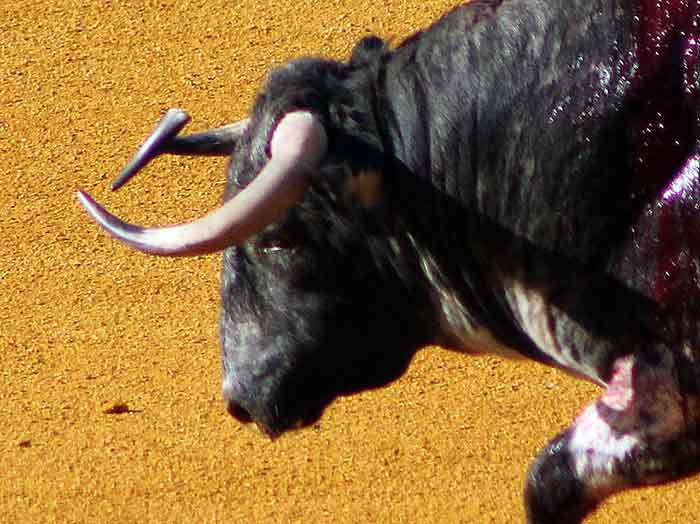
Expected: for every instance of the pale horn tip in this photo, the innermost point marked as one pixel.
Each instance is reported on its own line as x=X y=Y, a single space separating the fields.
x=95 y=210
x=99 y=214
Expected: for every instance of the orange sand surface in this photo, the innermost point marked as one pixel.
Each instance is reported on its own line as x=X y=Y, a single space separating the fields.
x=110 y=403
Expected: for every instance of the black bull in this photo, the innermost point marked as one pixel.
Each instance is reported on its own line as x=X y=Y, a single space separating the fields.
x=521 y=177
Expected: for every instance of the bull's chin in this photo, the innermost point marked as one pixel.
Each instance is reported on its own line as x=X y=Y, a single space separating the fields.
x=277 y=431
x=269 y=432
x=274 y=432
x=275 y=428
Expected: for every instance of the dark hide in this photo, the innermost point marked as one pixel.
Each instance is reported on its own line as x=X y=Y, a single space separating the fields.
x=521 y=177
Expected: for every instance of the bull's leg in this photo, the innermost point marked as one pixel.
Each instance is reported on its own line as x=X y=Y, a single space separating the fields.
x=641 y=431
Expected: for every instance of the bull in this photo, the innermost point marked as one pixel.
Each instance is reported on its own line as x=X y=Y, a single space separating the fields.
x=522 y=177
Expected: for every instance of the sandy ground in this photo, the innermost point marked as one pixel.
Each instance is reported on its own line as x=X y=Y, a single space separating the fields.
x=87 y=326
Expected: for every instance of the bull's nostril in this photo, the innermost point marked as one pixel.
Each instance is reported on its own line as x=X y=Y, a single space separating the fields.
x=238 y=412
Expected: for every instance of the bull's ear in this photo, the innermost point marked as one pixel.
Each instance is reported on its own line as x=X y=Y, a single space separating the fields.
x=368 y=50
x=364 y=189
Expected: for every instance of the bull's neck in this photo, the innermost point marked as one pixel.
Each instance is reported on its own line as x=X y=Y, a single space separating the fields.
x=502 y=107
x=456 y=104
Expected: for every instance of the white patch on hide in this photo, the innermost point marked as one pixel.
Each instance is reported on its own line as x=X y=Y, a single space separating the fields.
x=645 y=409
x=455 y=317
x=597 y=450
x=538 y=318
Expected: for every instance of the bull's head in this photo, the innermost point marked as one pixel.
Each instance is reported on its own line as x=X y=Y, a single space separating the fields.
x=314 y=302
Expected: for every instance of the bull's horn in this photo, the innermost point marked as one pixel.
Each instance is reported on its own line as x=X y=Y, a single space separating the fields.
x=213 y=142
x=298 y=145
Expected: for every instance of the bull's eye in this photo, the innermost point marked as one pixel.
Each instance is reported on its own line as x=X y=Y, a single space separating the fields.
x=271 y=246
x=279 y=240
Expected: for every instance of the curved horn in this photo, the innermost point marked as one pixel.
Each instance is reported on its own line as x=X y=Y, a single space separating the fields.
x=164 y=139
x=298 y=145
